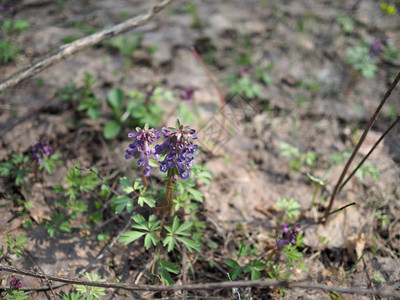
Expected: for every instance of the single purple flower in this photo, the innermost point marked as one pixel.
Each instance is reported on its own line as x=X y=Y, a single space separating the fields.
x=178 y=149
x=144 y=139
x=41 y=150
x=15 y=283
x=188 y=94
x=289 y=238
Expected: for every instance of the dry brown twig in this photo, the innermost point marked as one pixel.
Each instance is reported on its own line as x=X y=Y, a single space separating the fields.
x=69 y=49
x=371 y=122
x=385 y=291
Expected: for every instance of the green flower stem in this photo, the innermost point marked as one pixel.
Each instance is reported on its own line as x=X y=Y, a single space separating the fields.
x=316 y=190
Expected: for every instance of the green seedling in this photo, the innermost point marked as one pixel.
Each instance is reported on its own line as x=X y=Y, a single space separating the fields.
x=359 y=57
x=126 y=44
x=346 y=23
x=88 y=101
x=17 y=168
x=367 y=169
x=15 y=26
x=139 y=108
x=15 y=245
x=318 y=184
x=290 y=208
x=8 y=51
x=92 y=292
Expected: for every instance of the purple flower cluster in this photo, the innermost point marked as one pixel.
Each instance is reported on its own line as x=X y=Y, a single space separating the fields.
x=188 y=94
x=144 y=138
x=177 y=151
x=40 y=150
x=15 y=283
x=290 y=237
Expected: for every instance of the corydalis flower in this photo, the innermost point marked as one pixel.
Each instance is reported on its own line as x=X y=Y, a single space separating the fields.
x=178 y=149
x=290 y=237
x=40 y=150
x=15 y=283
x=144 y=139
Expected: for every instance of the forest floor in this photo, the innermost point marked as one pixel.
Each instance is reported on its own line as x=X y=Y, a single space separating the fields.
x=300 y=81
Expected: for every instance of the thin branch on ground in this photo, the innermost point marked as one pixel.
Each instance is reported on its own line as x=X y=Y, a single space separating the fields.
x=41 y=270
x=355 y=151
x=69 y=49
x=383 y=292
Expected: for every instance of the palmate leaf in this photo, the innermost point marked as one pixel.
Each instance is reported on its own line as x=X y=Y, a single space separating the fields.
x=170 y=267
x=146 y=200
x=190 y=244
x=170 y=242
x=149 y=239
x=130 y=236
x=121 y=202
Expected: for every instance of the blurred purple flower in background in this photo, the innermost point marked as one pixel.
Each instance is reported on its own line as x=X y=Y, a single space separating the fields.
x=41 y=150
x=144 y=138
x=289 y=238
x=377 y=46
x=188 y=94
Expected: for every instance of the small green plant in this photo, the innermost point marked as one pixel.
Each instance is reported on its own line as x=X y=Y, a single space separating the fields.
x=346 y=23
x=92 y=292
x=15 y=26
x=17 y=168
x=391 y=54
x=73 y=296
x=338 y=158
x=8 y=51
x=296 y=158
x=244 y=86
x=15 y=245
x=88 y=101
x=377 y=277
x=290 y=207
x=126 y=44
x=359 y=57
x=70 y=206
x=253 y=267
x=87 y=29
x=382 y=218
x=318 y=184
x=140 y=108
x=68 y=93
x=367 y=169
x=191 y=8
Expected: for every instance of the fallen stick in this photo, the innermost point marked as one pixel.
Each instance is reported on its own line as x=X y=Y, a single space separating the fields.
x=69 y=49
